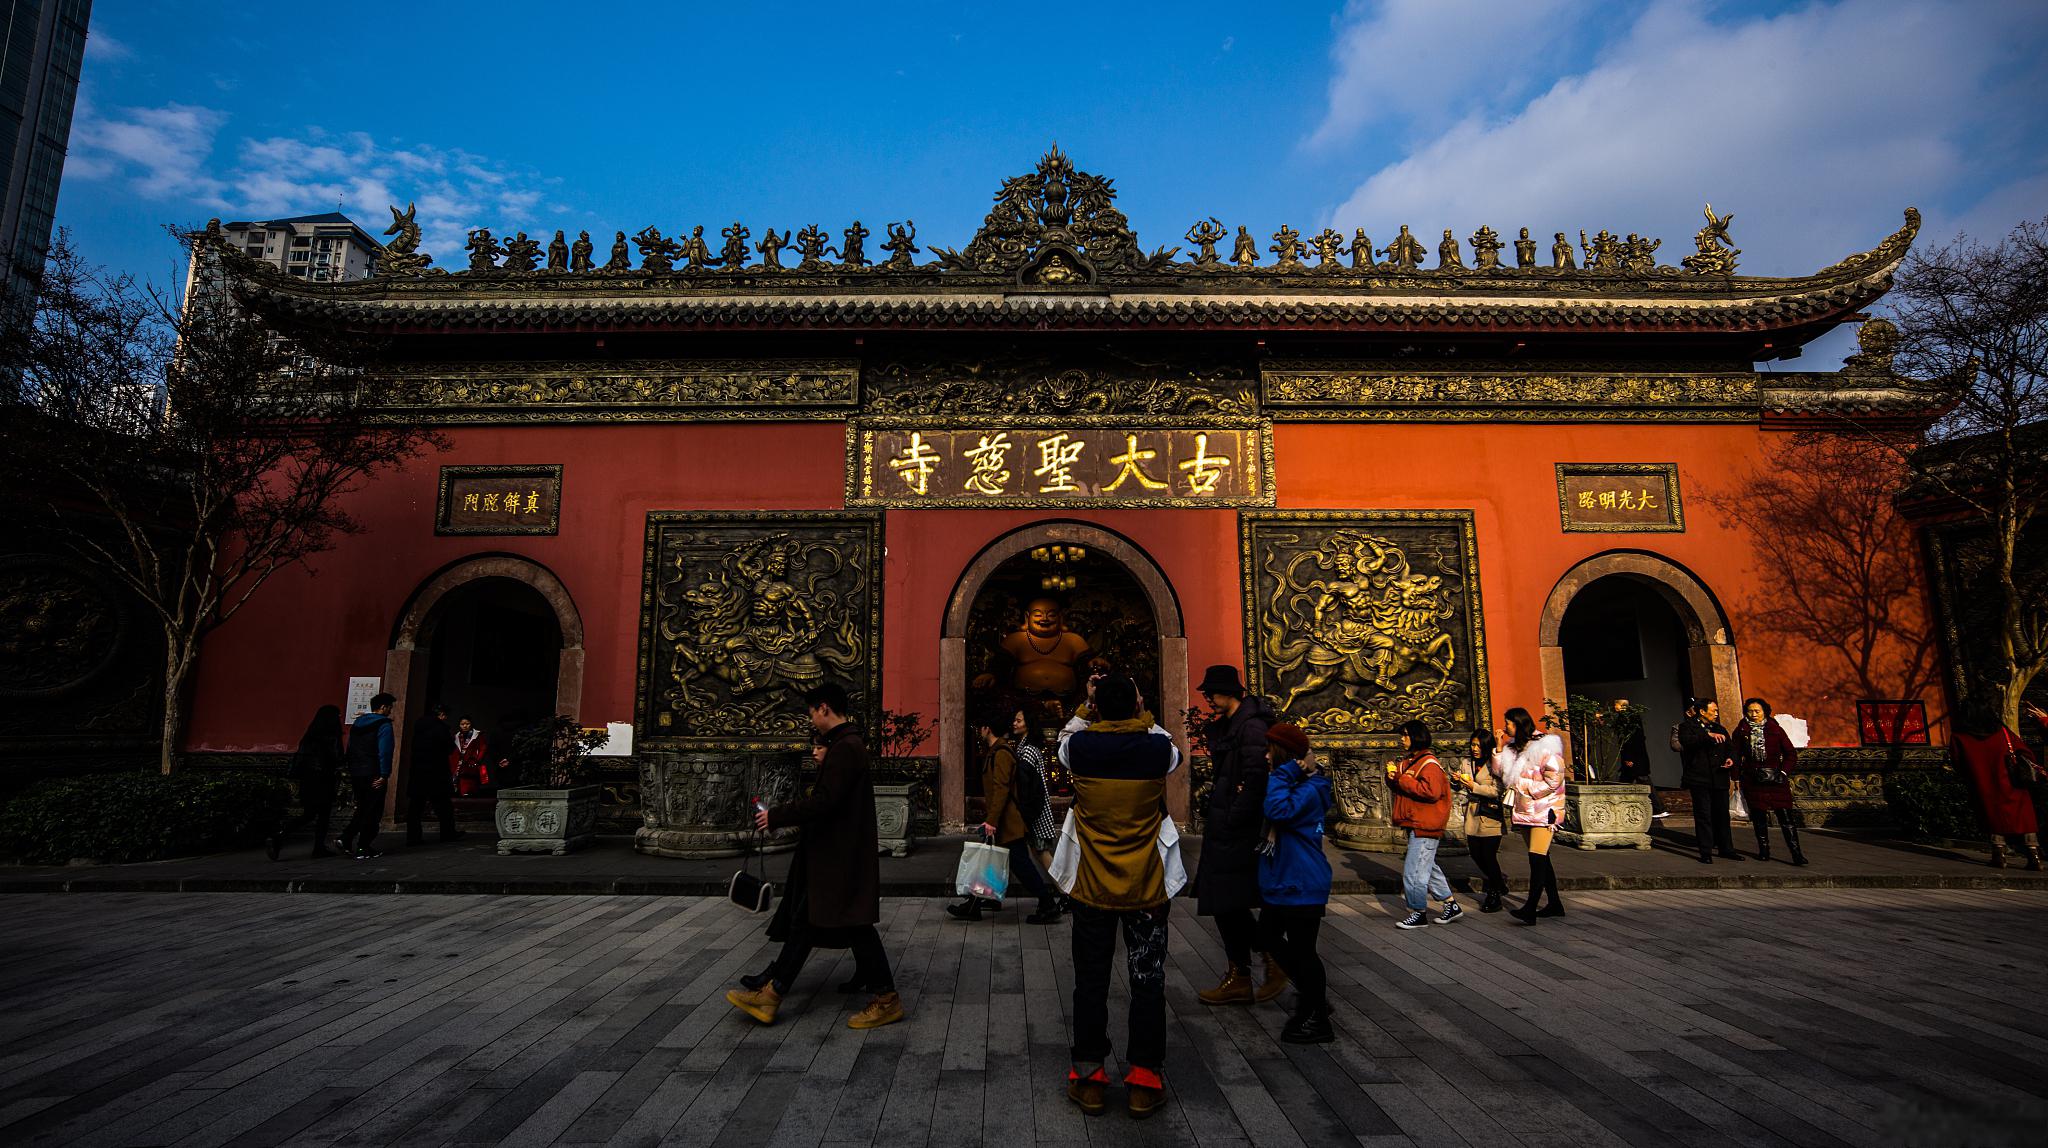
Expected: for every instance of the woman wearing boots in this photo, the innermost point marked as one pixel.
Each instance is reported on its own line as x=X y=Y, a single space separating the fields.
x=1485 y=816
x=1764 y=759
x=1532 y=768
x=1034 y=799
x=1294 y=880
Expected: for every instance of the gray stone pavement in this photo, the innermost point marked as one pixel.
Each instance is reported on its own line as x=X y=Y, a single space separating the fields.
x=473 y=866
x=1763 y=1017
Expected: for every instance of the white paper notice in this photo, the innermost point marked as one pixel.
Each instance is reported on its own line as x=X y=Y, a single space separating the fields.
x=360 y=691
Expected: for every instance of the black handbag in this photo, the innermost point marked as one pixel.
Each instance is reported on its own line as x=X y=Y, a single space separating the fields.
x=1765 y=775
x=749 y=892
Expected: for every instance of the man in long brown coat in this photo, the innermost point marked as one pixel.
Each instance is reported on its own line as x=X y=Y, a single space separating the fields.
x=842 y=889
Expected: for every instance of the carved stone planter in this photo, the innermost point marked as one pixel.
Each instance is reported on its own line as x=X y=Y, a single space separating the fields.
x=547 y=820
x=1363 y=819
x=1597 y=815
x=892 y=820
x=701 y=804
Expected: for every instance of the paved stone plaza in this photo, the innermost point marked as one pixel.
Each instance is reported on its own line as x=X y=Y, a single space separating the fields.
x=1767 y=1017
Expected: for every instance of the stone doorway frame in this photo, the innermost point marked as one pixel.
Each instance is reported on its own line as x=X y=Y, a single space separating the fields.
x=405 y=660
x=1710 y=646
x=1166 y=617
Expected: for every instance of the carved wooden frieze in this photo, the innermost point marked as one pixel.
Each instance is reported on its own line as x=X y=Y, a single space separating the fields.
x=662 y=390
x=1391 y=392
x=1016 y=384
x=742 y=612
x=1358 y=621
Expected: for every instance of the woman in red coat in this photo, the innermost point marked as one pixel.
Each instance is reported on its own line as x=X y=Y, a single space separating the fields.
x=468 y=760
x=1764 y=760
x=2006 y=800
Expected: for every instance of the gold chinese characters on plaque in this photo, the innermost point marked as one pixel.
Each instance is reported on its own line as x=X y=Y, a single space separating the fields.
x=1058 y=463
x=1619 y=497
x=499 y=500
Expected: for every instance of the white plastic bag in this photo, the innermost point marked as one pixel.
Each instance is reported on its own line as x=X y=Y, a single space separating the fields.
x=984 y=871
x=1737 y=808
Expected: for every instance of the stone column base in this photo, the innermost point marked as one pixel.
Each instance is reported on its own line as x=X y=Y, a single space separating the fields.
x=701 y=843
x=1597 y=815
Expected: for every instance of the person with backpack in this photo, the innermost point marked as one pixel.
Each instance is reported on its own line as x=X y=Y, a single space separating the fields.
x=369 y=770
x=1005 y=824
x=1422 y=806
x=1294 y=879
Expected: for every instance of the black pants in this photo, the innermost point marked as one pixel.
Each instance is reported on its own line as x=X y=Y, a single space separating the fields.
x=1710 y=830
x=416 y=803
x=1240 y=931
x=870 y=960
x=1289 y=933
x=1486 y=854
x=1145 y=959
x=361 y=829
x=1024 y=869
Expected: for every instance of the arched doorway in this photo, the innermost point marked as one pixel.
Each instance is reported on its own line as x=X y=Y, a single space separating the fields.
x=1636 y=625
x=494 y=636
x=999 y=587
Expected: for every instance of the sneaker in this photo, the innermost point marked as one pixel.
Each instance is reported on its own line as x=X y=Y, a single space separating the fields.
x=1086 y=1092
x=1452 y=911
x=1235 y=988
x=1415 y=920
x=759 y=1004
x=1144 y=1092
x=886 y=1008
x=1659 y=815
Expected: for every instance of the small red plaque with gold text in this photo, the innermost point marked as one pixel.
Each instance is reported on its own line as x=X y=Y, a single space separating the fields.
x=499 y=500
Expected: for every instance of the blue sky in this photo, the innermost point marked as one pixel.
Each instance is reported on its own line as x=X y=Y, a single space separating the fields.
x=1816 y=124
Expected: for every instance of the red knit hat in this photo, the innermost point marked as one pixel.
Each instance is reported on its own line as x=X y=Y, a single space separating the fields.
x=1289 y=737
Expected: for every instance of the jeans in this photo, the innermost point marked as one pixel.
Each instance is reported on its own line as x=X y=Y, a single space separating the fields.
x=1289 y=933
x=1145 y=959
x=362 y=828
x=1239 y=929
x=1710 y=830
x=1421 y=877
x=870 y=960
x=1486 y=855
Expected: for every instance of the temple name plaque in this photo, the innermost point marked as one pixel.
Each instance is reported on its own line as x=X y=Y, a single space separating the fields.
x=906 y=463
x=1619 y=497
x=499 y=500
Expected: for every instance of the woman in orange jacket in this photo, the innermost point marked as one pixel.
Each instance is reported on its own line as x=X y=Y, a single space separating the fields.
x=1422 y=806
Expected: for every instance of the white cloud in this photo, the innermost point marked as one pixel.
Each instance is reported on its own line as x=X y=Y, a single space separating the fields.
x=167 y=155
x=1435 y=60
x=1816 y=127
x=101 y=48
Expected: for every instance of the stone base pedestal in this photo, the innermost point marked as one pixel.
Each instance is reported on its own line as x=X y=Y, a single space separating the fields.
x=546 y=820
x=702 y=804
x=1363 y=819
x=892 y=820
x=1597 y=815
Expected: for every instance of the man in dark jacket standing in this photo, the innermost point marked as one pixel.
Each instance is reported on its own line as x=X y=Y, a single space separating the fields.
x=842 y=888
x=1233 y=825
x=1709 y=764
x=427 y=778
x=369 y=769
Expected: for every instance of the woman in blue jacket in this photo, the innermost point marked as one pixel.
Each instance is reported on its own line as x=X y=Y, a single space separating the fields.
x=1294 y=879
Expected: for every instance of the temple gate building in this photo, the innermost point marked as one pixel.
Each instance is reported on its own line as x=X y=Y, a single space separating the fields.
x=692 y=475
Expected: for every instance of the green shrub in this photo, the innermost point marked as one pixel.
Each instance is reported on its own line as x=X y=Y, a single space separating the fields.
x=139 y=816
x=1932 y=804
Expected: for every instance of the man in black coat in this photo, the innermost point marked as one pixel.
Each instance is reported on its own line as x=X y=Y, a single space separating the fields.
x=841 y=887
x=1233 y=825
x=427 y=780
x=1709 y=765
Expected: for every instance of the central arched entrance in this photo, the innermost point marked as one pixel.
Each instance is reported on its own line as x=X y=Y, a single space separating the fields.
x=1105 y=589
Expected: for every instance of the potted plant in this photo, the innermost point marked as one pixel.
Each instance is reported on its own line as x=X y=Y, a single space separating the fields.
x=548 y=801
x=901 y=777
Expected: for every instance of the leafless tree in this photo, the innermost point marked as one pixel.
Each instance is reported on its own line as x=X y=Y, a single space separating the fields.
x=182 y=444
x=1973 y=333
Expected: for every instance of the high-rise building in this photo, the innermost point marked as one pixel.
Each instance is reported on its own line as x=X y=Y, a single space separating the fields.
x=42 y=45
x=326 y=248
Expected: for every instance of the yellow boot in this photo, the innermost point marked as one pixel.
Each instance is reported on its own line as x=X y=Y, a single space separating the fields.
x=1236 y=988
x=759 y=1004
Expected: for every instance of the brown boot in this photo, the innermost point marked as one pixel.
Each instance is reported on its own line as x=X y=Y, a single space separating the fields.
x=1275 y=982
x=1144 y=1092
x=1997 y=856
x=884 y=1009
x=1236 y=988
x=2033 y=859
x=759 y=1004
x=1086 y=1091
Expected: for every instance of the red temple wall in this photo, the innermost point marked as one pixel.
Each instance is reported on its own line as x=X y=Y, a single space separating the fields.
x=293 y=647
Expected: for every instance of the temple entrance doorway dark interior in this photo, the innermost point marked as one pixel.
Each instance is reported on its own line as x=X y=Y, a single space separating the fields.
x=493 y=653
x=1041 y=621
x=1621 y=639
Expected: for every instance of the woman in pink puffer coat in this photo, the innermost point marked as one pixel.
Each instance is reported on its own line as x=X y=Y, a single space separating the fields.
x=1533 y=768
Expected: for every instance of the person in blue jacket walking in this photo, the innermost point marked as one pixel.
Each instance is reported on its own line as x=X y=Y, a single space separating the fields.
x=1294 y=878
